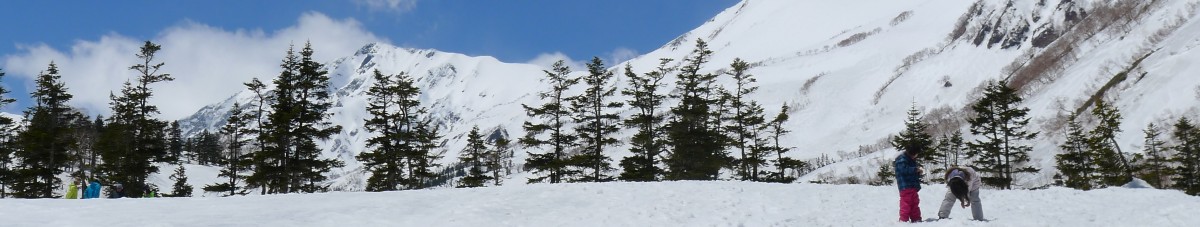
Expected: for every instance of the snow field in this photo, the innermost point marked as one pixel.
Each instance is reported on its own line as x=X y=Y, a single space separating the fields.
x=717 y=203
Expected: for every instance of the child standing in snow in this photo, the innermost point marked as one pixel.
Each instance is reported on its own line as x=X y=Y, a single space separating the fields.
x=908 y=178
x=964 y=185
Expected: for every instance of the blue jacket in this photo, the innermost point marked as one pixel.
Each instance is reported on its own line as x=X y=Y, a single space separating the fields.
x=906 y=173
x=93 y=190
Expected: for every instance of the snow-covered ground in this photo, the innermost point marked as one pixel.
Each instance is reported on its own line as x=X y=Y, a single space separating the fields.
x=720 y=203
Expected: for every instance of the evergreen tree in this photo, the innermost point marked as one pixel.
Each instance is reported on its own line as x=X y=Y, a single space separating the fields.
x=747 y=122
x=473 y=156
x=885 y=176
x=1075 y=163
x=234 y=161
x=775 y=130
x=8 y=131
x=597 y=122
x=44 y=143
x=1111 y=165
x=915 y=136
x=551 y=166
x=421 y=163
x=697 y=145
x=500 y=159
x=1157 y=166
x=1001 y=124
x=949 y=148
x=647 y=144
x=1187 y=156
x=290 y=160
x=208 y=148
x=141 y=138
x=395 y=115
x=181 y=188
x=260 y=100
x=174 y=143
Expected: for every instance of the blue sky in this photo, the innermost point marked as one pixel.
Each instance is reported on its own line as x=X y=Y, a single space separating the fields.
x=87 y=35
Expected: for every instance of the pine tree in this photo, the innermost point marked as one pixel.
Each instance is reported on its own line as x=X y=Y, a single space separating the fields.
x=142 y=138
x=746 y=123
x=1000 y=123
x=290 y=160
x=233 y=161
x=1075 y=163
x=8 y=131
x=697 y=144
x=396 y=114
x=552 y=116
x=208 y=148
x=1157 y=166
x=775 y=131
x=885 y=176
x=473 y=156
x=181 y=188
x=950 y=149
x=647 y=144
x=598 y=121
x=260 y=100
x=500 y=159
x=1111 y=165
x=1187 y=156
x=44 y=143
x=421 y=162
x=915 y=136
x=174 y=143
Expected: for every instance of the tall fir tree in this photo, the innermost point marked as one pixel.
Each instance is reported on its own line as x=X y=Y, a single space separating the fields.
x=950 y=149
x=746 y=123
x=474 y=156
x=260 y=102
x=1111 y=164
x=290 y=160
x=1000 y=123
x=174 y=143
x=499 y=161
x=775 y=131
x=646 y=144
x=1156 y=169
x=395 y=113
x=181 y=188
x=1187 y=156
x=598 y=122
x=44 y=143
x=8 y=132
x=428 y=139
x=916 y=136
x=207 y=148
x=233 y=160
x=1075 y=162
x=697 y=144
x=551 y=117
x=142 y=137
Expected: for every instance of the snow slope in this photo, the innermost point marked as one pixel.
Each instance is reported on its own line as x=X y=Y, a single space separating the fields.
x=851 y=69
x=617 y=204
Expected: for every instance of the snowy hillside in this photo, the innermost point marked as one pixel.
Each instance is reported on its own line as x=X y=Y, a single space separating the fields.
x=851 y=67
x=617 y=204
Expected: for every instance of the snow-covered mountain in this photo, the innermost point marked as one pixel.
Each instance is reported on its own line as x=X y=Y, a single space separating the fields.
x=851 y=68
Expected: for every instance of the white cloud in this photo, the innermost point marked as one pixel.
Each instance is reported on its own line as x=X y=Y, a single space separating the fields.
x=388 y=5
x=620 y=55
x=209 y=63
x=545 y=60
